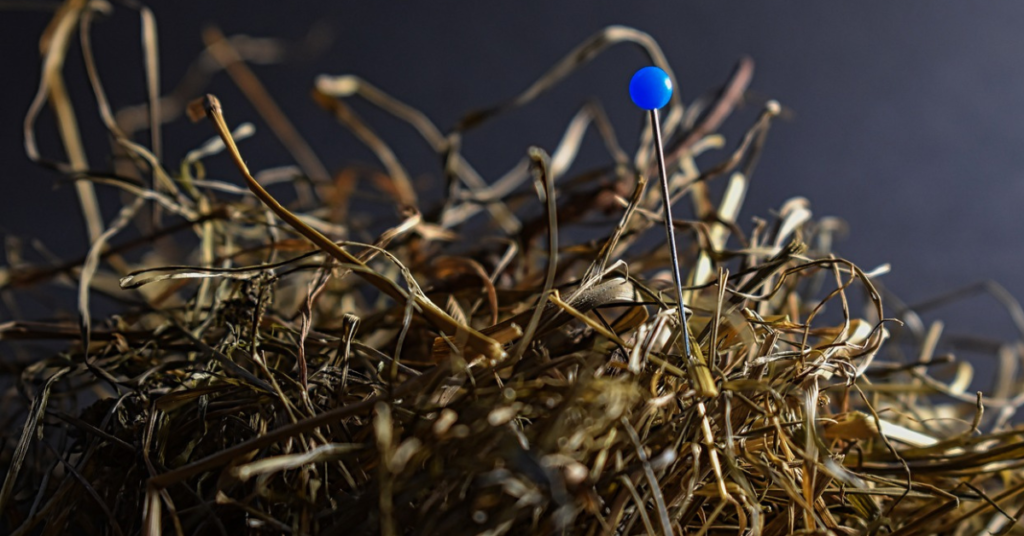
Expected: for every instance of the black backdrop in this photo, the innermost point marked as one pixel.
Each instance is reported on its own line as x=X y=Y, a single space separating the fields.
x=908 y=115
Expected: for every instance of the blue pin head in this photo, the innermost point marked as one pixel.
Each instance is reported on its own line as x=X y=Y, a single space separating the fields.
x=650 y=88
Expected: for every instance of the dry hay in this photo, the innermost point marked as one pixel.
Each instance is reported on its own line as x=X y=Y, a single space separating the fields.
x=475 y=370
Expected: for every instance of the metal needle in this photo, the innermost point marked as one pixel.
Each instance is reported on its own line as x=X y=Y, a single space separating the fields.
x=677 y=276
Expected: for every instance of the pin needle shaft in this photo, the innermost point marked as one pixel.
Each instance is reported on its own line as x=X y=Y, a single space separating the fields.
x=670 y=230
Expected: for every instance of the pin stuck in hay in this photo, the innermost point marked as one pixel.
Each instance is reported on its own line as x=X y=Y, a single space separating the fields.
x=478 y=368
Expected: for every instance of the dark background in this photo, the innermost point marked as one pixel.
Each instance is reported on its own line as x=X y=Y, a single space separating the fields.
x=907 y=122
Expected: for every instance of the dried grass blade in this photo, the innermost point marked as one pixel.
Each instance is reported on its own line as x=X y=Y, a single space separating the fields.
x=30 y=429
x=222 y=50
x=433 y=313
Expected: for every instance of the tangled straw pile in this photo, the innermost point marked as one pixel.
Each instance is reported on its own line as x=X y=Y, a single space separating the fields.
x=283 y=377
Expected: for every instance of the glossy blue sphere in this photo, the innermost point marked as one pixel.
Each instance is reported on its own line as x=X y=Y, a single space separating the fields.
x=650 y=88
